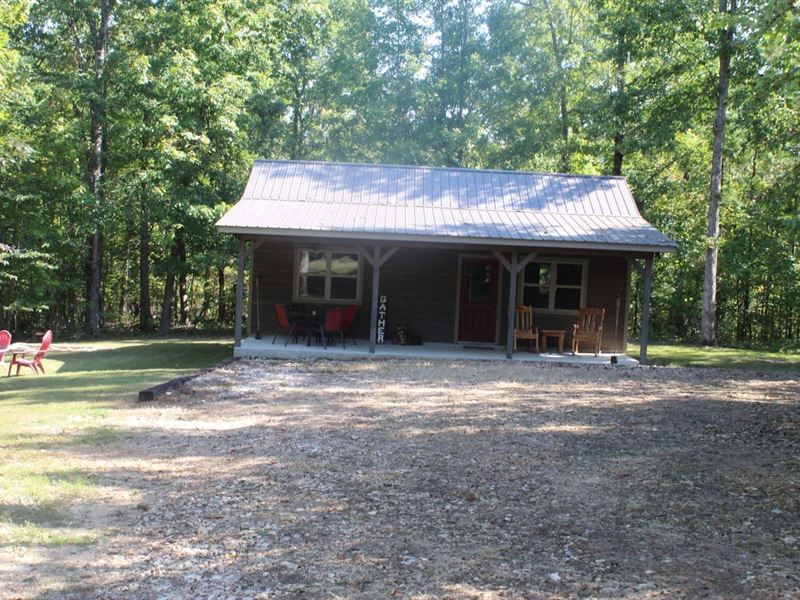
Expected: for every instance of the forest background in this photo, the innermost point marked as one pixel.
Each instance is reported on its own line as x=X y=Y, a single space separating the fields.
x=127 y=127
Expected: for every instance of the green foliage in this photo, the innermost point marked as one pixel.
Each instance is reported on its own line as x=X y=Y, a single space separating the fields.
x=193 y=91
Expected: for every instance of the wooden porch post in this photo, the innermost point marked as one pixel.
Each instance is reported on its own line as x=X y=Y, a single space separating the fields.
x=513 y=268
x=237 y=327
x=648 y=279
x=376 y=280
x=512 y=304
x=376 y=260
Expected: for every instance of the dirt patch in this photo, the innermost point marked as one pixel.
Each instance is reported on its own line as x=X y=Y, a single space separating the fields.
x=321 y=479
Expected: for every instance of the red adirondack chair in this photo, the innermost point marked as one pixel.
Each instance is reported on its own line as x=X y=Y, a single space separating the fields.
x=5 y=342
x=34 y=364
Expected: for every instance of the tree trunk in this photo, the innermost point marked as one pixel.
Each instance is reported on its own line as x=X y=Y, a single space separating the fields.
x=169 y=292
x=619 y=106
x=95 y=162
x=559 y=48
x=145 y=315
x=183 y=296
x=708 y=325
x=222 y=314
x=94 y=273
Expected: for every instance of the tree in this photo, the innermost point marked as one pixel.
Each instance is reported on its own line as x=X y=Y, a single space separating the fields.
x=727 y=8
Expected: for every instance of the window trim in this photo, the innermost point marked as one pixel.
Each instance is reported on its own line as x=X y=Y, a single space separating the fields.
x=326 y=299
x=554 y=262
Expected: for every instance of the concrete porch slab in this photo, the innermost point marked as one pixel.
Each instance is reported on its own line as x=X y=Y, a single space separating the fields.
x=264 y=348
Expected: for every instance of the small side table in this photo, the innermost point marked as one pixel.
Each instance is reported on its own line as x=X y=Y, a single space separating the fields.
x=554 y=333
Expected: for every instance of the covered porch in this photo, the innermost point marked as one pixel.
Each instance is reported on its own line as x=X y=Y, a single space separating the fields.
x=264 y=348
x=427 y=287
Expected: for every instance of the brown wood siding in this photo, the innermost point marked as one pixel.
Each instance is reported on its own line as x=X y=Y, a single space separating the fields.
x=608 y=280
x=421 y=286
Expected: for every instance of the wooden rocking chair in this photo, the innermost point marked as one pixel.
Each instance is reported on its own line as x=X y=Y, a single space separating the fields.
x=524 y=327
x=589 y=328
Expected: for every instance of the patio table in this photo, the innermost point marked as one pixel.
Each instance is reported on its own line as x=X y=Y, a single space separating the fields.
x=310 y=321
x=554 y=333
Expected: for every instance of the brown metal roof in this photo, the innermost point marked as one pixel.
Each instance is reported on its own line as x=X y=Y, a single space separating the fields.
x=384 y=202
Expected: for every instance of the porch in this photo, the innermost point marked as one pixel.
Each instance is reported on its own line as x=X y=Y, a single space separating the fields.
x=264 y=348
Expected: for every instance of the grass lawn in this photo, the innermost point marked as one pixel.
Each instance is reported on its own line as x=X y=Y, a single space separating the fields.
x=45 y=421
x=682 y=355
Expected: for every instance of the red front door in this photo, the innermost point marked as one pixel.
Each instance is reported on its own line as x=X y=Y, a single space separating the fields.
x=478 y=300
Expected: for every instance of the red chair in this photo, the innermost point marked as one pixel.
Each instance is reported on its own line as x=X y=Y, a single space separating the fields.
x=284 y=324
x=348 y=317
x=35 y=364
x=332 y=325
x=5 y=342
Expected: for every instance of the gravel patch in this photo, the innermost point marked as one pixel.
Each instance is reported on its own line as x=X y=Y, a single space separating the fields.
x=409 y=479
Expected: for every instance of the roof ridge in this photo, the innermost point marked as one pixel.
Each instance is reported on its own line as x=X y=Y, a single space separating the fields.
x=432 y=168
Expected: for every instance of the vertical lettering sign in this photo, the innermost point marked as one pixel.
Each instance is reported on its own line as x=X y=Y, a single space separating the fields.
x=381 y=337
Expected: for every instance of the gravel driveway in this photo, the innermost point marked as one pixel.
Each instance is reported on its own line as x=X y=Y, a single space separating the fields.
x=320 y=479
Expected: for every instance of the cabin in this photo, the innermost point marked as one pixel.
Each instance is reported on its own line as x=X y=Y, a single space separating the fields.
x=447 y=252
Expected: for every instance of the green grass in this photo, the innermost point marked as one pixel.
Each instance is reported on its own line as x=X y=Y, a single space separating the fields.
x=684 y=355
x=45 y=422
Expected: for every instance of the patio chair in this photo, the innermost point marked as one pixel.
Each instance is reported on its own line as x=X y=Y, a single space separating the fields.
x=525 y=328
x=34 y=364
x=332 y=326
x=291 y=328
x=589 y=328
x=5 y=342
x=348 y=316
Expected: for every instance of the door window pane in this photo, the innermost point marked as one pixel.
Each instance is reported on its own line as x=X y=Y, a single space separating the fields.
x=479 y=283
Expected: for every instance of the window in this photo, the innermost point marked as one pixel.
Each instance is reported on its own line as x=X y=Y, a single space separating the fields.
x=327 y=276
x=554 y=285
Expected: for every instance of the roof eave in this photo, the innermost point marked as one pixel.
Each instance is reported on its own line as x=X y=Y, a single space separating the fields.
x=481 y=241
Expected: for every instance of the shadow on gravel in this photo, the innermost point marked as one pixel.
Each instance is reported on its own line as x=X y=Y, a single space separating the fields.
x=416 y=480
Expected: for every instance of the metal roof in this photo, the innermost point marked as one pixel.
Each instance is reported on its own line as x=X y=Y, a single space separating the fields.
x=386 y=202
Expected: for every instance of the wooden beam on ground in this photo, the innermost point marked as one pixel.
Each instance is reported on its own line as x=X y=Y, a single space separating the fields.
x=154 y=392
x=645 y=330
x=237 y=327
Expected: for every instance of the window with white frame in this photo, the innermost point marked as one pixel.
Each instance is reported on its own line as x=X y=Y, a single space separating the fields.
x=556 y=285
x=327 y=276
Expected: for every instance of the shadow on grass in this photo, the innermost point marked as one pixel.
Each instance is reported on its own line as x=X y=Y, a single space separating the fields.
x=684 y=355
x=147 y=356
x=43 y=513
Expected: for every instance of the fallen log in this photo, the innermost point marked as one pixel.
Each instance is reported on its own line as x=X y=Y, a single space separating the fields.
x=154 y=392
